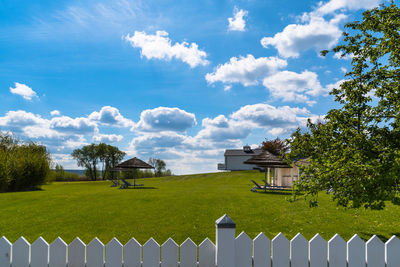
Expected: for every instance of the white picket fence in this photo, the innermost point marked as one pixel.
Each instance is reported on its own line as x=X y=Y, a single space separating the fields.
x=229 y=251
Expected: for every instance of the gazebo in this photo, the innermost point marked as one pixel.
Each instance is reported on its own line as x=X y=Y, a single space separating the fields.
x=267 y=161
x=130 y=164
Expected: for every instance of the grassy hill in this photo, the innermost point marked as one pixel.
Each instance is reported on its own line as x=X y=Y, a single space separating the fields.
x=179 y=207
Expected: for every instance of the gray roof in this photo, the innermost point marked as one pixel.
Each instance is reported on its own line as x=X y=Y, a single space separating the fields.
x=241 y=152
x=134 y=163
x=267 y=159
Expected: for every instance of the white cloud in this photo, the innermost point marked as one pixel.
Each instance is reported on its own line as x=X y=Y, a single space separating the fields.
x=339 y=55
x=220 y=129
x=73 y=126
x=107 y=138
x=343 y=69
x=55 y=113
x=65 y=160
x=21 y=118
x=276 y=120
x=237 y=23
x=157 y=141
x=334 y=5
x=23 y=90
x=227 y=87
x=159 y=46
x=317 y=33
x=294 y=87
x=165 y=119
x=110 y=116
x=245 y=70
x=336 y=85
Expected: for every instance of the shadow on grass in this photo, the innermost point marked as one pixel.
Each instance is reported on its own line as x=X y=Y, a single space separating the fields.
x=24 y=190
x=276 y=192
x=140 y=187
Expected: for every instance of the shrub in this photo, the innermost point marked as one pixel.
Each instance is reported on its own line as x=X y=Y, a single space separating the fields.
x=23 y=166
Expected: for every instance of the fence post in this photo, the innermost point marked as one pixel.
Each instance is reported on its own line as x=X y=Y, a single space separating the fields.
x=225 y=242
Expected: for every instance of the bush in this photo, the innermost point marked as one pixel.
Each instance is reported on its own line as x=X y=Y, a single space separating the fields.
x=23 y=166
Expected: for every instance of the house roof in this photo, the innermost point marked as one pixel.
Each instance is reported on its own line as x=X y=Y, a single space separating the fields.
x=266 y=159
x=241 y=152
x=134 y=163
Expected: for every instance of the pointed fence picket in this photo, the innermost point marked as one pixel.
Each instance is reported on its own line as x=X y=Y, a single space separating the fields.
x=58 y=253
x=242 y=252
x=207 y=253
x=20 y=255
x=95 y=253
x=132 y=254
x=114 y=253
x=280 y=251
x=169 y=253
x=318 y=252
x=262 y=251
x=76 y=253
x=392 y=252
x=337 y=252
x=5 y=252
x=40 y=253
x=188 y=254
x=299 y=251
x=375 y=250
x=355 y=252
x=151 y=254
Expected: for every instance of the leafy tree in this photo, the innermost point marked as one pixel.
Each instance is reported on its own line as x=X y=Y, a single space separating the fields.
x=87 y=157
x=111 y=159
x=160 y=167
x=355 y=152
x=90 y=155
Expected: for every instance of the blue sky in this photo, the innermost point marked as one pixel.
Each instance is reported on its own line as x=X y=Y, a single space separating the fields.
x=177 y=80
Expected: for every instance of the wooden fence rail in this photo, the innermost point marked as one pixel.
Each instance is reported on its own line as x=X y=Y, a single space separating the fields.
x=229 y=251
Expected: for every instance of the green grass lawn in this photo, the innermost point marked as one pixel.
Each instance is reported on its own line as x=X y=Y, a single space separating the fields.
x=179 y=207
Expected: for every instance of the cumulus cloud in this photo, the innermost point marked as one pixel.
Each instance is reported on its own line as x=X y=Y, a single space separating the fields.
x=339 y=55
x=23 y=90
x=317 y=34
x=157 y=141
x=21 y=118
x=265 y=115
x=220 y=129
x=110 y=116
x=159 y=46
x=294 y=87
x=245 y=70
x=55 y=113
x=237 y=23
x=276 y=120
x=107 y=138
x=165 y=119
x=73 y=126
x=334 y=5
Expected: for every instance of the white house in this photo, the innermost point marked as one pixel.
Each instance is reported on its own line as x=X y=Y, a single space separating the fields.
x=282 y=174
x=234 y=159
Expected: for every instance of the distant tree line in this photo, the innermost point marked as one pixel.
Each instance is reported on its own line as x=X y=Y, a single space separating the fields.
x=95 y=158
x=59 y=174
x=23 y=165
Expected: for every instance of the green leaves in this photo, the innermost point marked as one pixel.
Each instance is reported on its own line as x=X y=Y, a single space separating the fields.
x=354 y=152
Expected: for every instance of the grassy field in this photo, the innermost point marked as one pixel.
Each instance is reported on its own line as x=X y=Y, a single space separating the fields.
x=180 y=207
